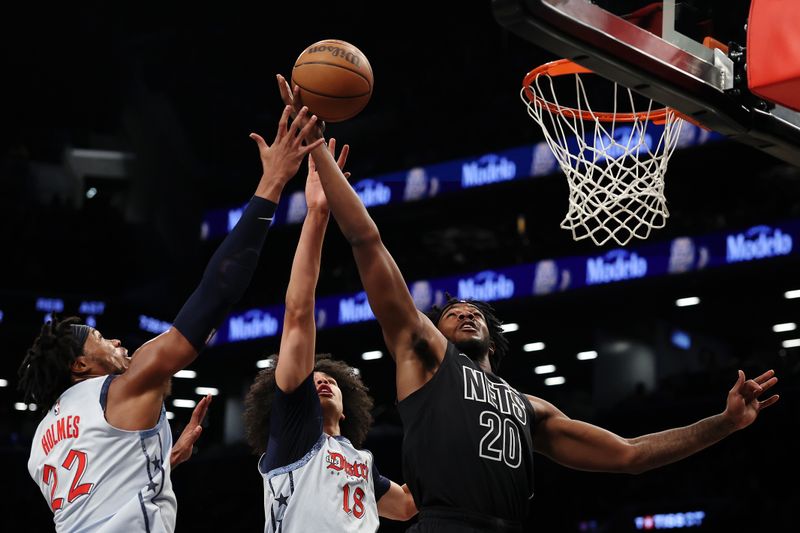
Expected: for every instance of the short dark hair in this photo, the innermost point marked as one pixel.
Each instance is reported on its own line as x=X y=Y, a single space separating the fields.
x=494 y=324
x=46 y=370
x=355 y=398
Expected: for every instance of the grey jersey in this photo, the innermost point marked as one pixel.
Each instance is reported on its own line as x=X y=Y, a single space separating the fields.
x=330 y=489
x=313 y=481
x=97 y=478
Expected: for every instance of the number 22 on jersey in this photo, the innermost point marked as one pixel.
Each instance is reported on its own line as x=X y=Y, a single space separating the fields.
x=75 y=459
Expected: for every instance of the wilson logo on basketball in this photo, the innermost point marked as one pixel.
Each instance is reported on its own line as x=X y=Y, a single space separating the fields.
x=335 y=51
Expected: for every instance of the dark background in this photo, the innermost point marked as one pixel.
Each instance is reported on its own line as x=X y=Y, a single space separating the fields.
x=182 y=86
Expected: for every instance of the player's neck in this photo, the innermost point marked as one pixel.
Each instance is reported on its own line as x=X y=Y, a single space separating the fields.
x=484 y=364
x=331 y=427
x=78 y=378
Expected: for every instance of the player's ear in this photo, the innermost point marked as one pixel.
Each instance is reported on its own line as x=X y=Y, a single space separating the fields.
x=80 y=365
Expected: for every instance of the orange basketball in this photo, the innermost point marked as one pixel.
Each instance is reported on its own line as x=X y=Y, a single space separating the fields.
x=335 y=79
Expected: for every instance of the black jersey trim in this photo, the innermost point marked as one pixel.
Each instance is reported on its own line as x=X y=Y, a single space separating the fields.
x=104 y=391
x=144 y=513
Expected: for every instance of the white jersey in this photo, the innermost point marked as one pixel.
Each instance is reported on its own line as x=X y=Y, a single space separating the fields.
x=97 y=478
x=330 y=489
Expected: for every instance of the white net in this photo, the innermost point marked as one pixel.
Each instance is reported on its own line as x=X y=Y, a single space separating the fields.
x=615 y=169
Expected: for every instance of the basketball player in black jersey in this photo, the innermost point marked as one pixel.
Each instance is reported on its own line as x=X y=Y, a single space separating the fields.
x=453 y=404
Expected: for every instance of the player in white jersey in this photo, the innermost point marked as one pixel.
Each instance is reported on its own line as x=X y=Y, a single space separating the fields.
x=101 y=452
x=307 y=415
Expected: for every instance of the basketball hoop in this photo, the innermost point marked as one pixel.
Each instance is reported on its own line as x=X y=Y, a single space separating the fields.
x=614 y=161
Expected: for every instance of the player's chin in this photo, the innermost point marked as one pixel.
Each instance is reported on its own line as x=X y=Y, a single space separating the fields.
x=462 y=335
x=472 y=345
x=330 y=404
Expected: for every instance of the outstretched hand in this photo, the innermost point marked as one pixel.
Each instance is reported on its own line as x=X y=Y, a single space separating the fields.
x=743 y=403
x=281 y=160
x=315 y=196
x=292 y=99
x=182 y=449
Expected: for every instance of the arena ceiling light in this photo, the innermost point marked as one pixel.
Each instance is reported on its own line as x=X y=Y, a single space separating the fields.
x=264 y=363
x=686 y=302
x=510 y=327
x=202 y=391
x=789 y=295
x=587 y=355
x=372 y=355
x=3 y=383
x=555 y=380
x=178 y=402
x=791 y=343
x=545 y=369
x=786 y=326
x=186 y=374
x=533 y=347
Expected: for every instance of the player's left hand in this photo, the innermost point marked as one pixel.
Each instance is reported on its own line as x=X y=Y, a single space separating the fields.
x=182 y=449
x=281 y=160
x=743 y=403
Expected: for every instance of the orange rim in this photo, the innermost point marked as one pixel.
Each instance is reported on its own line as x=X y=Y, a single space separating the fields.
x=563 y=67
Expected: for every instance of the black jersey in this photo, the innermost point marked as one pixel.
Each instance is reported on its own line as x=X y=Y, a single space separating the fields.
x=468 y=441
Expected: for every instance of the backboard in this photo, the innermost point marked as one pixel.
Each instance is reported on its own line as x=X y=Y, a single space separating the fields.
x=664 y=58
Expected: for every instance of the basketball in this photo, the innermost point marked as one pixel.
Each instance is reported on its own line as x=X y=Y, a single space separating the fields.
x=335 y=79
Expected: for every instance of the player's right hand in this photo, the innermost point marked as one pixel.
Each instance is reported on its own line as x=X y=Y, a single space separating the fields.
x=295 y=101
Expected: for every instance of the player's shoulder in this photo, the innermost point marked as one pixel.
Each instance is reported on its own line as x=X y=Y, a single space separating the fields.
x=87 y=386
x=345 y=442
x=81 y=396
x=542 y=408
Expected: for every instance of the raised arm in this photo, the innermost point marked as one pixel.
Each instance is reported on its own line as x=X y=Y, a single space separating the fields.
x=584 y=446
x=298 y=340
x=134 y=398
x=407 y=331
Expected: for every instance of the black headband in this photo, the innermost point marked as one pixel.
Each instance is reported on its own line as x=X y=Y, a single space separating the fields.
x=80 y=332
